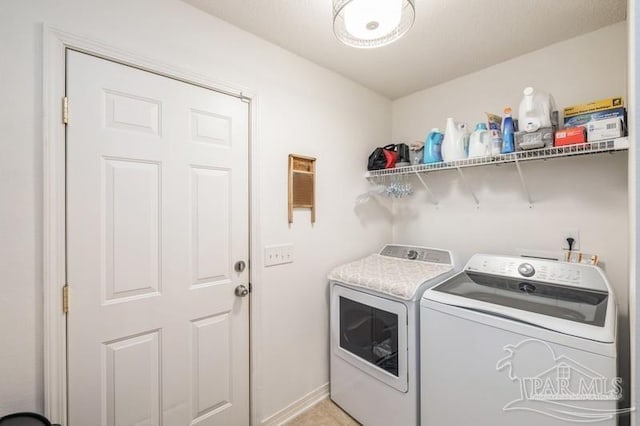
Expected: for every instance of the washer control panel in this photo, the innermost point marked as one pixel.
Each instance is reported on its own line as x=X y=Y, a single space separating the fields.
x=569 y=274
x=420 y=254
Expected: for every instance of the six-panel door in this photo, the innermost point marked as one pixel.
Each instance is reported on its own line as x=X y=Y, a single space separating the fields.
x=157 y=214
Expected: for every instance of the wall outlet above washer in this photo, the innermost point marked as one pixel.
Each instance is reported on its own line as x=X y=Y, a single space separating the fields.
x=571 y=233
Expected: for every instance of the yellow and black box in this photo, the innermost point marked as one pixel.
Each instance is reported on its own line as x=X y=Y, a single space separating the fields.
x=594 y=106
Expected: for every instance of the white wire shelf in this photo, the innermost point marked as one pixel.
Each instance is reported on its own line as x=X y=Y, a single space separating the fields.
x=610 y=145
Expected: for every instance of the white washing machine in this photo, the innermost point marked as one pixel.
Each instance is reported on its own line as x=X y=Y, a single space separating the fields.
x=375 y=330
x=514 y=341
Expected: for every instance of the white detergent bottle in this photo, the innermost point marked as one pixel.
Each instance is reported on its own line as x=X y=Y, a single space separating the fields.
x=535 y=110
x=480 y=143
x=453 y=144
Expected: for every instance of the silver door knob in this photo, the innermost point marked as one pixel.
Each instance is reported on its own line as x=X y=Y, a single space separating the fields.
x=241 y=291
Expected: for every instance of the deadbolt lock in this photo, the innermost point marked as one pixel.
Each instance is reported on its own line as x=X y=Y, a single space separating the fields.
x=239 y=266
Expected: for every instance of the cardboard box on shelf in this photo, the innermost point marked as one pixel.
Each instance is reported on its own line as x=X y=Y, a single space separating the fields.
x=605 y=129
x=584 y=119
x=570 y=136
x=595 y=106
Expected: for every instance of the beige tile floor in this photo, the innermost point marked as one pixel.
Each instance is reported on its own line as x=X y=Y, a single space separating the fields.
x=324 y=413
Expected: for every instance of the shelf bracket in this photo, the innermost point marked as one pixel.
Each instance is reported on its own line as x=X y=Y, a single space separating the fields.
x=524 y=183
x=467 y=187
x=431 y=195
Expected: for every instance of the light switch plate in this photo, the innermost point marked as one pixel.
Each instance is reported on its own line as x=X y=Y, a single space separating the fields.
x=278 y=254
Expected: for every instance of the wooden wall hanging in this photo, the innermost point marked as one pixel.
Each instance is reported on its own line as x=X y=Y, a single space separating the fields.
x=302 y=185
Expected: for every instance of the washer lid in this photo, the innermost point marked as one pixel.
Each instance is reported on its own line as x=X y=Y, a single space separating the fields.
x=576 y=311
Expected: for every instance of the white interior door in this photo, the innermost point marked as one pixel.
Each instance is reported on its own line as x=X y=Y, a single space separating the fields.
x=157 y=215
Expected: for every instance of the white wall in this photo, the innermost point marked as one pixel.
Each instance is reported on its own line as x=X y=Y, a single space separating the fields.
x=585 y=193
x=303 y=109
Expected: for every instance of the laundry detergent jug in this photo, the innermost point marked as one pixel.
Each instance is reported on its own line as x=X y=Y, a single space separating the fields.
x=453 y=144
x=480 y=142
x=535 y=110
x=433 y=147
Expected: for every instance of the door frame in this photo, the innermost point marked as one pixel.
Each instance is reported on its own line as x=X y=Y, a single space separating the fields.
x=55 y=43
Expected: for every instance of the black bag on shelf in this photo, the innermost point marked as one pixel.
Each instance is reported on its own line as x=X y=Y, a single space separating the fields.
x=379 y=159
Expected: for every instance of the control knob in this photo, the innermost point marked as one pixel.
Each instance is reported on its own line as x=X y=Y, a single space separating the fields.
x=526 y=269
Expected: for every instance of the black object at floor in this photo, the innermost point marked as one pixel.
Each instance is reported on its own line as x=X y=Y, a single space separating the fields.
x=25 y=419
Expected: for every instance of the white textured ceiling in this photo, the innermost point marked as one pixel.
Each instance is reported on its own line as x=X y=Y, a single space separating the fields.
x=450 y=38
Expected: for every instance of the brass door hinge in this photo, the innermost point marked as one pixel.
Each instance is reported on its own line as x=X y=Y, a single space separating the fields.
x=65 y=110
x=65 y=299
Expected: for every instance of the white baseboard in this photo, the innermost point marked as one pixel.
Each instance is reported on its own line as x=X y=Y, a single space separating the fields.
x=297 y=407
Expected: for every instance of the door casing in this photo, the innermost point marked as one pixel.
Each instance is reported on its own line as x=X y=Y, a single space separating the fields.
x=55 y=44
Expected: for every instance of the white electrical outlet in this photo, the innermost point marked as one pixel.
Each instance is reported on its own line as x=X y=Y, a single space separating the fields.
x=278 y=254
x=571 y=233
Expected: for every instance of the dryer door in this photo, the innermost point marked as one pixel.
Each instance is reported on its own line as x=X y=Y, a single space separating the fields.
x=370 y=333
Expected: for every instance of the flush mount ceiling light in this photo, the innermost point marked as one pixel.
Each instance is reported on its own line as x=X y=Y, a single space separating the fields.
x=372 y=23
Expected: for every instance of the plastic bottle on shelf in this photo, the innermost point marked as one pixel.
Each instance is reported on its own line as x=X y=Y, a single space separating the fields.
x=480 y=143
x=466 y=138
x=496 y=142
x=433 y=147
x=508 y=132
x=455 y=139
x=535 y=110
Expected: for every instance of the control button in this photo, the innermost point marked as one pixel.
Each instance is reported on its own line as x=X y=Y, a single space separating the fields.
x=526 y=269
x=527 y=287
x=413 y=255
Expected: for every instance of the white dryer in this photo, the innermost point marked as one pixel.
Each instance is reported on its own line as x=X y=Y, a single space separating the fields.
x=513 y=341
x=375 y=330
